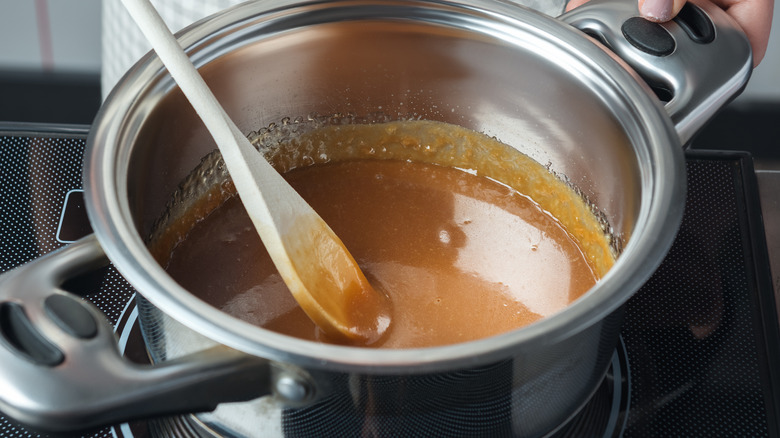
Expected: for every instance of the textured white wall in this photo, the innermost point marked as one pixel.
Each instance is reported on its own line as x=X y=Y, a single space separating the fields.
x=19 y=46
x=51 y=35
x=75 y=29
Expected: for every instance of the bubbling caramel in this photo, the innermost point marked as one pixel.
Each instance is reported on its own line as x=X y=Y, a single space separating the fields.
x=467 y=237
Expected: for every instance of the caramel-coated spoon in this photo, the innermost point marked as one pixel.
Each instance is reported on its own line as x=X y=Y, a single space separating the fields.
x=313 y=262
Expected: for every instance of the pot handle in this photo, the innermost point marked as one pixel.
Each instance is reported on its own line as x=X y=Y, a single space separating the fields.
x=62 y=369
x=695 y=64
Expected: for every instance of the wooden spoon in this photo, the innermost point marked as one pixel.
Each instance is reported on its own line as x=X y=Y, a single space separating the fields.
x=313 y=262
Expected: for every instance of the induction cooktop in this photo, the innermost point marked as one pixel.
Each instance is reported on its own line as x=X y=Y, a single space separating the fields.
x=696 y=351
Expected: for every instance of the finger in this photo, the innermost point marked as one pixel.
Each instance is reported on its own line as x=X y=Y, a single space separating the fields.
x=755 y=19
x=753 y=16
x=575 y=3
x=660 y=10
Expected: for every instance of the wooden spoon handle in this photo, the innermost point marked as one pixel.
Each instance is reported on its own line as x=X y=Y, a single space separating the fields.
x=313 y=262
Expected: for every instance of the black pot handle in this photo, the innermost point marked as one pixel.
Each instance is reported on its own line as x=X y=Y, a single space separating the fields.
x=62 y=369
x=695 y=64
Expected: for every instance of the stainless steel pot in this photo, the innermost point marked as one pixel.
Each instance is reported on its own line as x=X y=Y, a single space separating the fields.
x=536 y=83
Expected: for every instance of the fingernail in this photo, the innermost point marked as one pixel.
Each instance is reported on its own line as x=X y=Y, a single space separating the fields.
x=656 y=10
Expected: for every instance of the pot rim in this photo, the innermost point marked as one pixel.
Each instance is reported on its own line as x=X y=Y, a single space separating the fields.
x=662 y=203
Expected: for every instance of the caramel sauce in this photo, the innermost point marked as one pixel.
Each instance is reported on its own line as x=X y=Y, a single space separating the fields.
x=329 y=285
x=460 y=256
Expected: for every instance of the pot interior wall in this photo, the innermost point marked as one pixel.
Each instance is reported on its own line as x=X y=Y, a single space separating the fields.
x=533 y=97
x=396 y=60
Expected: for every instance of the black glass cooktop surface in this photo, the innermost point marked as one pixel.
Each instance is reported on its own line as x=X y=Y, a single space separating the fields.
x=697 y=348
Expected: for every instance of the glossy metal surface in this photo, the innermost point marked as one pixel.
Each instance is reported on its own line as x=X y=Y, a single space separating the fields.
x=530 y=80
x=92 y=384
x=700 y=77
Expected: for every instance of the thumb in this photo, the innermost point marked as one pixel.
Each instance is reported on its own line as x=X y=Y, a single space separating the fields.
x=660 y=10
x=574 y=3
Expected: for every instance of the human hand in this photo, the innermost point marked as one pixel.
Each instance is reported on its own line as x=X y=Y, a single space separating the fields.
x=753 y=16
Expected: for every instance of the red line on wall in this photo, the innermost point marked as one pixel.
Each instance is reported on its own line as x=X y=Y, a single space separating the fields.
x=44 y=34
